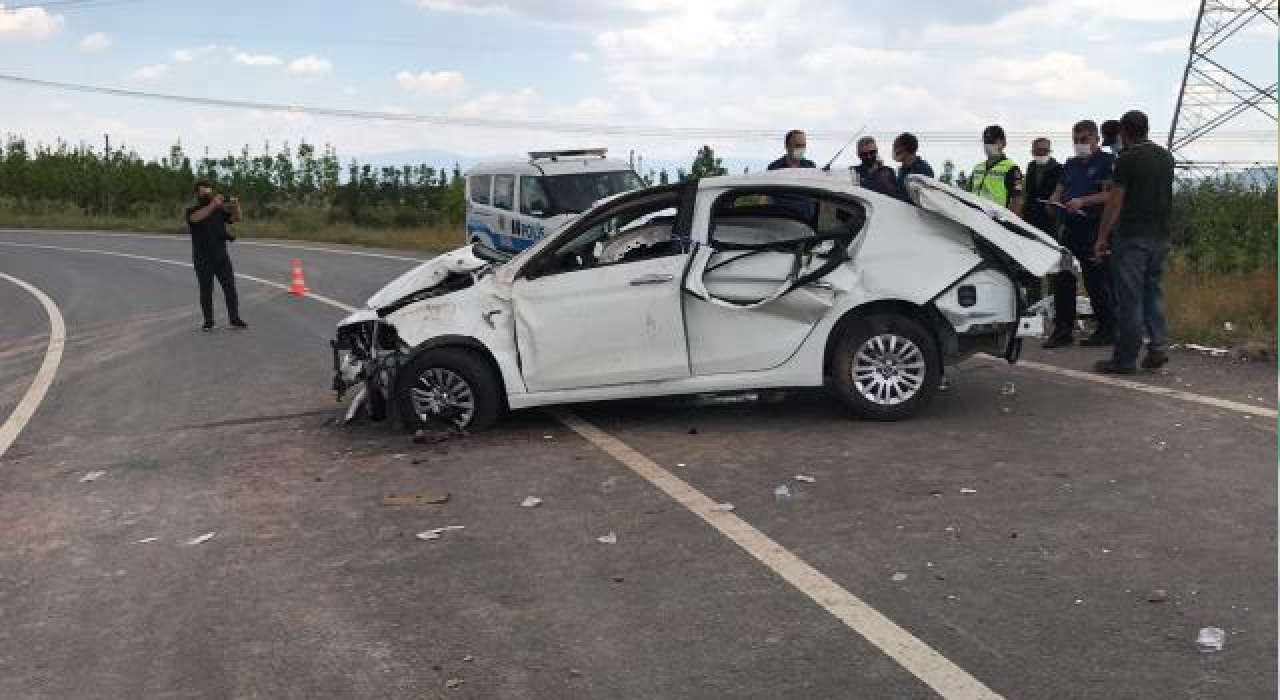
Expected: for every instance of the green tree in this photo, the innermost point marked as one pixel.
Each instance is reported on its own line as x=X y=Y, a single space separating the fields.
x=706 y=164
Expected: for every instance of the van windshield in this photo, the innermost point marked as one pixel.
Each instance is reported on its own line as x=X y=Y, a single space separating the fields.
x=574 y=194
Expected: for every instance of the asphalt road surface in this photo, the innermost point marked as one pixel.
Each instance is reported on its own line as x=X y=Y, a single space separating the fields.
x=1016 y=530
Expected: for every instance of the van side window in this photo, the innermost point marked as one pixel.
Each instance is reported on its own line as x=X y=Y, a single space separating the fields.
x=479 y=186
x=533 y=197
x=504 y=192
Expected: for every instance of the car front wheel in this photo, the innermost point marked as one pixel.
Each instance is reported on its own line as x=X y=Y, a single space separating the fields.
x=886 y=367
x=450 y=385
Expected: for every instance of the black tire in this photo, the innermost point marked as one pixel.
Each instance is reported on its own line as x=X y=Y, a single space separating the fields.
x=435 y=369
x=880 y=344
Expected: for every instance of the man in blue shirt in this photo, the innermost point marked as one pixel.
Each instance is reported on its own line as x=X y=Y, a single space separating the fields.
x=1082 y=193
x=904 y=151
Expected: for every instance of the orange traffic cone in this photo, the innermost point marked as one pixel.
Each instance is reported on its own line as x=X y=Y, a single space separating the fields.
x=299 y=286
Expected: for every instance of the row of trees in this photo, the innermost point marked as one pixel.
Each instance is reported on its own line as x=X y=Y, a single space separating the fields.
x=1222 y=224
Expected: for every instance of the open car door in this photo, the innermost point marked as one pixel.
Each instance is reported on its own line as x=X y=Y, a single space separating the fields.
x=1032 y=249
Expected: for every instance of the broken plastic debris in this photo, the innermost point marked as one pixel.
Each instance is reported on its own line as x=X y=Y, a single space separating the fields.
x=1079 y=601
x=782 y=493
x=723 y=507
x=1158 y=595
x=1212 y=352
x=805 y=478
x=548 y=437
x=434 y=534
x=454 y=683
x=680 y=464
x=468 y=658
x=1008 y=389
x=968 y=491
x=416 y=499
x=202 y=538
x=611 y=538
x=92 y=476
x=531 y=502
x=1228 y=326
x=1210 y=639
x=146 y=540
x=898 y=577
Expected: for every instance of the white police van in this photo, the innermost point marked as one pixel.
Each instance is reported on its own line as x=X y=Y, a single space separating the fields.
x=511 y=205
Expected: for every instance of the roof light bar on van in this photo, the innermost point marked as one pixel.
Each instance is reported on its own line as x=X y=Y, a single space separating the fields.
x=574 y=153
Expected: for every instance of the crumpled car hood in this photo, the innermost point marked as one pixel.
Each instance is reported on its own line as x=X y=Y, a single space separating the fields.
x=425 y=276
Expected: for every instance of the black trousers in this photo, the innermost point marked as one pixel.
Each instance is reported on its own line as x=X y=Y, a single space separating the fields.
x=1097 y=282
x=219 y=266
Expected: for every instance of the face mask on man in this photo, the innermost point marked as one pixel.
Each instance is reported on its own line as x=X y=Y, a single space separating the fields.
x=796 y=153
x=991 y=149
x=870 y=157
x=1084 y=150
x=1040 y=160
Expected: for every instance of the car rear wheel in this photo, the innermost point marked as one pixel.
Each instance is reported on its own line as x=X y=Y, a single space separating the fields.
x=886 y=367
x=453 y=386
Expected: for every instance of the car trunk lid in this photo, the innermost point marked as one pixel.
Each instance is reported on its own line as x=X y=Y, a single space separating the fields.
x=1035 y=251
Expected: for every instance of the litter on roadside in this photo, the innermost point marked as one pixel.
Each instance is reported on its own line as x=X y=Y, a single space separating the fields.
x=531 y=502
x=416 y=499
x=805 y=478
x=968 y=491
x=611 y=538
x=454 y=683
x=202 y=538
x=898 y=577
x=782 y=493
x=1008 y=389
x=434 y=534
x=92 y=476
x=1211 y=352
x=723 y=508
x=1158 y=595
x=1210 y=639
x=146 y=540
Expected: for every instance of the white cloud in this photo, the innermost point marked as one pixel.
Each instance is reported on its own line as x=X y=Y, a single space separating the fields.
x=499 y=105
x=474 y=7
x=1056 y=75
x=97 y=41
x=1169 y=45
x=29 y=23
x=193 y=54
x=580 y=57
x=249 y=59
x=310 y=64
x=151 y=72
x=438 y=84
x=1031 y=23
x=847 y=57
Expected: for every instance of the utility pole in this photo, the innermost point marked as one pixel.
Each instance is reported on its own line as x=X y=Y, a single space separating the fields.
x=1213 y=92
x=106 y=182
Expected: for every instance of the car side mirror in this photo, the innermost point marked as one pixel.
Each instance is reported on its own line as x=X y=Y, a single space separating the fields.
x=489 y=254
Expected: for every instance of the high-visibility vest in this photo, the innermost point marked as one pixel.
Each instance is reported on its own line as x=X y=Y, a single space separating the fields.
x=989 y=183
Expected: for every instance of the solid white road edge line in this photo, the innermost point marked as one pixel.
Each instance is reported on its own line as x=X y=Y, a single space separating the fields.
x=164 y=261
x=182 y=238
x=919 y=659
x=30 y=401
x=935 y=670
x=1149 y=389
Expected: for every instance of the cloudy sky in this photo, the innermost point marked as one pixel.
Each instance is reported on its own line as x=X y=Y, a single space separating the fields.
x=741 y=70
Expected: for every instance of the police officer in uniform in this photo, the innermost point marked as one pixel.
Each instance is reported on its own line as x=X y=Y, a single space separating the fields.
x=997 y=178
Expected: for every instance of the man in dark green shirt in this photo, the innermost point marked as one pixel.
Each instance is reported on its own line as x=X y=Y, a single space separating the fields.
x=1135 y=233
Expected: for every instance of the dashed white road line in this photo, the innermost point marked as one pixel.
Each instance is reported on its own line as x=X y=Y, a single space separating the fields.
x=30 y=401
x=935 y=670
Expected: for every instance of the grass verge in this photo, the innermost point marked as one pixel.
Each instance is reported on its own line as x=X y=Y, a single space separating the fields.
x=1223 y=310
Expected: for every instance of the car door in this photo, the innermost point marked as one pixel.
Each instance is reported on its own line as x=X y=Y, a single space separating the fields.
x=745 y=312
x=601 y=305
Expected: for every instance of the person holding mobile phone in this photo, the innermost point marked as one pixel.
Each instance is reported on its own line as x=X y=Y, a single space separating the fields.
x=207 y=221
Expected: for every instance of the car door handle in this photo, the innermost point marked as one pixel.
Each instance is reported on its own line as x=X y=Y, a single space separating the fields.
x=652 y=279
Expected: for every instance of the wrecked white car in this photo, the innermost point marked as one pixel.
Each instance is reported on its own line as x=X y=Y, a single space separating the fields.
x=718 y=285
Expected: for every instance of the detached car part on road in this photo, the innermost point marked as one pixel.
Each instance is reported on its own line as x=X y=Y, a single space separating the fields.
x=722 y=284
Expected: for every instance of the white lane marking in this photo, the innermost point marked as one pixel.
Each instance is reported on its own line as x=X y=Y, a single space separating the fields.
x=181 y=238
x=1151 y=389
x=26 y=407
x=283 y=287
x=935 y=670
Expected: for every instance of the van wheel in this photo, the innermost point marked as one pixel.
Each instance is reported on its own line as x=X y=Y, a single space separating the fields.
x=449 y=385
x=886 y=367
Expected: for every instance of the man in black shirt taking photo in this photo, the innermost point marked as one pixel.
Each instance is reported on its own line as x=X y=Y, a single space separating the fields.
x=207 y=221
